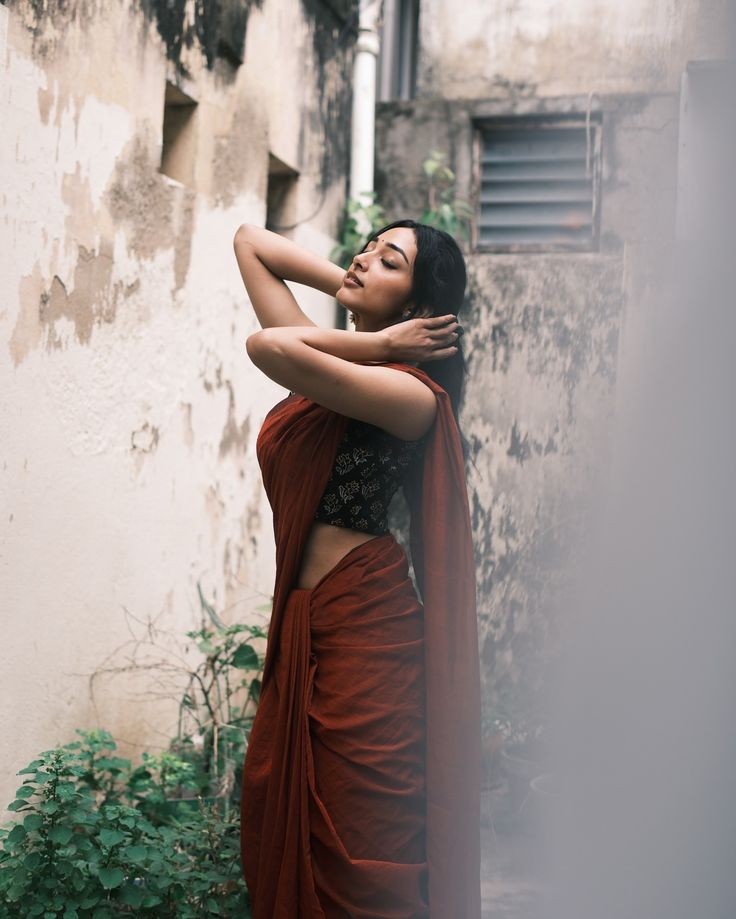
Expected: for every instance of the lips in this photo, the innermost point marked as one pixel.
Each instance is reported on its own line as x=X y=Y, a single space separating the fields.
x=351 y=276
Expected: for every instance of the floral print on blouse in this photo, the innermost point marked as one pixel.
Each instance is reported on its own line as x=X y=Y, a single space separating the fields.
x=369 y=466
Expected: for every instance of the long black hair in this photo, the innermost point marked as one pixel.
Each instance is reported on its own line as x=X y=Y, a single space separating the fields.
x=438 y=287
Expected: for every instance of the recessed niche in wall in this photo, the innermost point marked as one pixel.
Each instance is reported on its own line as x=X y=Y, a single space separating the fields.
x=281 y=196
x=180 y=135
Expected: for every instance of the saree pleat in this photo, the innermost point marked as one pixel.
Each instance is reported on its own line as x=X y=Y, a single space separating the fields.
x=348 y=809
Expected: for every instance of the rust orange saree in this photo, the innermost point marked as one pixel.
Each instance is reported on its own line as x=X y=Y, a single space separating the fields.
x=361 y=781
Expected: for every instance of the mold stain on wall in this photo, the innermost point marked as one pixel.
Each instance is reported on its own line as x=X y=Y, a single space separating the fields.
x=235 y=437
x=217 y=26
x=156 y=214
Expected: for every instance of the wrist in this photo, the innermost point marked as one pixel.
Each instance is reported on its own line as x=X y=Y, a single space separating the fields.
x=384 y=348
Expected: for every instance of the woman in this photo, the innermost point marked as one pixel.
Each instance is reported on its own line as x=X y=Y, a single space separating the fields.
x=361 y=782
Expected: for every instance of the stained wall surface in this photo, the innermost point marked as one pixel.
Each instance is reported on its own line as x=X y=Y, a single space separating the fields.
x=549 y=334
x=129 y=409
x=543 y=48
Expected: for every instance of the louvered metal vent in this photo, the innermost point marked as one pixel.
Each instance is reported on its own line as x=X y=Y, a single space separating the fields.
x=538 y=185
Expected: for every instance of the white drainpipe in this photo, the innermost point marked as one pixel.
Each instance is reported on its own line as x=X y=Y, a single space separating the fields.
x=364 y=101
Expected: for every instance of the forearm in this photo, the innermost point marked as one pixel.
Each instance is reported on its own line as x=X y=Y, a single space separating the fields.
x=287 y=260
x=295 y=342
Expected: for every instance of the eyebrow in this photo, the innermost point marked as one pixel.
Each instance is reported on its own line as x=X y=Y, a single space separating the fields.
x=392 y=246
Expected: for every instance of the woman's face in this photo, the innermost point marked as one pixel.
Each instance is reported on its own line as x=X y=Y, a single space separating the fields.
x=377 y=286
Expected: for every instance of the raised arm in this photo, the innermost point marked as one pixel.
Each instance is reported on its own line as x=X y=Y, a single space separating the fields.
x=266 y=260
x=318 y=364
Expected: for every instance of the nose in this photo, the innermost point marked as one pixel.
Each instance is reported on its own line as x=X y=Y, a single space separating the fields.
x=358 y=261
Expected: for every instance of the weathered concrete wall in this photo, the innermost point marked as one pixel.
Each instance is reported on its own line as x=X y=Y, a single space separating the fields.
x=542 y=48
x=129 y=409
x=547 y=333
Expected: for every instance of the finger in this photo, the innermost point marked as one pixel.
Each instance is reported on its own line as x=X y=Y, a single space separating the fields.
x=445 y=342
x=442 y=353
x=434 y=322
x=444 y=331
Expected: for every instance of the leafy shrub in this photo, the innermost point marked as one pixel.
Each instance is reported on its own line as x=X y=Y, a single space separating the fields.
x=98 y=838
x=443 y=210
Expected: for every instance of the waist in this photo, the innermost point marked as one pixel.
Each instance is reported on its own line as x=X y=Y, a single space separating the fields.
x=326 y=546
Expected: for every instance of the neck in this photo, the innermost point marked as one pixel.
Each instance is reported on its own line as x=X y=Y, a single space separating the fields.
x=365 y=325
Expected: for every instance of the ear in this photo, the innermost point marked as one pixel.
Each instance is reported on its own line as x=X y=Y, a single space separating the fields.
x=407 y=310
x=411 y=311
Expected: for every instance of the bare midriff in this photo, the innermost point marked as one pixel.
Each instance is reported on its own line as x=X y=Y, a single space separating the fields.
x=326 y=545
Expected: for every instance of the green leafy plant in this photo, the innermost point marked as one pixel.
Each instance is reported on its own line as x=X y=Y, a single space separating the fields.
x=444 y=210
x=219 y=703
x=97 y=837
x=92 y=841
x=362 y=218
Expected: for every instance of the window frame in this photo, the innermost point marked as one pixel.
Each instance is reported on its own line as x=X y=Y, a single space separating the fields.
x=592 y=123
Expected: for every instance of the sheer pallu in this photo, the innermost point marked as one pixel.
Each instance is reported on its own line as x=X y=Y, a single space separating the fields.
x=361 y=782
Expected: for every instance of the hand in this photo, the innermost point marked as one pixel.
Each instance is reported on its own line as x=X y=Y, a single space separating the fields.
x=424 y=339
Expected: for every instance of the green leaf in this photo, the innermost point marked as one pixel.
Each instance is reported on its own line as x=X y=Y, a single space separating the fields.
x=111 y=838
x=25 y=791
x=60 y=834
x=17 y=834
x=245 y=658
x=110 y=877
x=33 y=821
x=16 y=891
x=136 y=854
x=31 y=767
x=209 y=609
x=112 y=763
x=132 y=895
x=19 y=805
x=32 y=861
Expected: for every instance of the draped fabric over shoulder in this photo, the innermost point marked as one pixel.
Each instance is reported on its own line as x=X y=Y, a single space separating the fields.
x=361 y=783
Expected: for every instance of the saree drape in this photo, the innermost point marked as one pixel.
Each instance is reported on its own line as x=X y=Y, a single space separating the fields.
x=361 y=782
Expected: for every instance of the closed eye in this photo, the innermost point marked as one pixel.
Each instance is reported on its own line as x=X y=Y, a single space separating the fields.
x=388 y=264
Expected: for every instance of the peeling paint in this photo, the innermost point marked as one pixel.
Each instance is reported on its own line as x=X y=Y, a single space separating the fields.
x=235 y=437
x=124 y=318
x=158 y=214
x=90 y=299
x=187 y=429
x=145 y=439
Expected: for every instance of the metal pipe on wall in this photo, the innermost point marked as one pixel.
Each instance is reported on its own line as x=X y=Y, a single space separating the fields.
x=364 y=102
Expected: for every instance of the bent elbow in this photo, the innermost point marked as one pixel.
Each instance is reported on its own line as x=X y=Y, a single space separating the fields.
x=264 y=348
x=242 y=235
x=255 y=347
